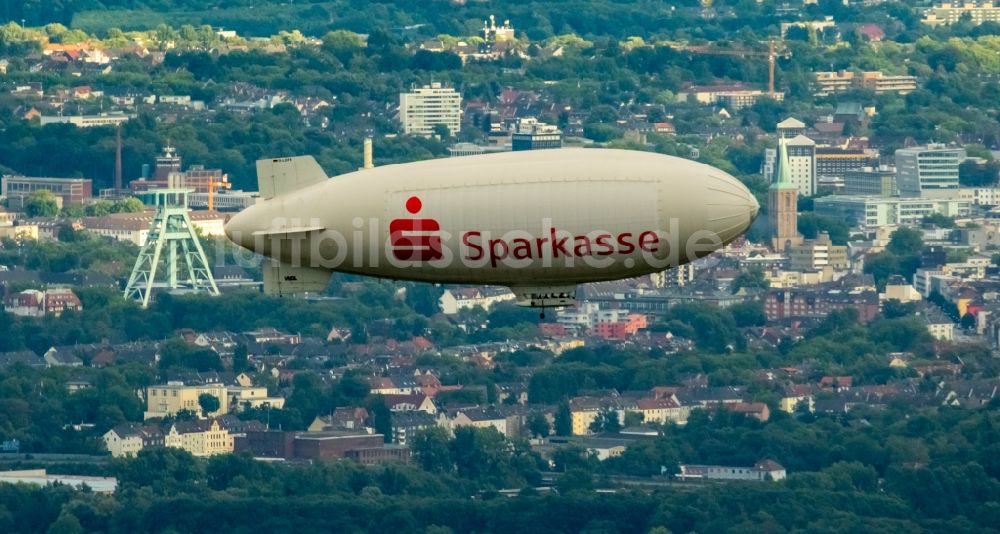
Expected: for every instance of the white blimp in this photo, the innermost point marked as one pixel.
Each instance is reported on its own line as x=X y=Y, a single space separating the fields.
x=540 y=222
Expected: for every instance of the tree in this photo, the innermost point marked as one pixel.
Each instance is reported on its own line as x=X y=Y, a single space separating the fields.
x=894 y=309
x=41 y=203
x=633 y=419
x=748 y=313
x=538 y=425
x=240 y=362
x=606 y=421
x=423 y=298
x=430 y=449
x=67 y=523
x=564 y=420
x=381 y=417
x=940 y=220
x=972 y=174
x=906 y=242
x=575 y=480
x=750 y=278
x=811 y=225
x=128 y=205
x=481 y=454
x=441 y=131
x=209 y=403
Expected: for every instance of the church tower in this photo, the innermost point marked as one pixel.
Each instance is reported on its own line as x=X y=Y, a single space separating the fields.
x=782 y=205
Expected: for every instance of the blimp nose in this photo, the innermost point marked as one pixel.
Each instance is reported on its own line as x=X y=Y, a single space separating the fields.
x=240 y=228
x=732 y=209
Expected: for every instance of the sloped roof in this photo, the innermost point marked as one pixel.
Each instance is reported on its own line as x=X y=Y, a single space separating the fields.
x=791 y=122
x=768 y=465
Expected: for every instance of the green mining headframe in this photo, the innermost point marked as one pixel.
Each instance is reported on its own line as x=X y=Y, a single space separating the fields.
x=171 y=245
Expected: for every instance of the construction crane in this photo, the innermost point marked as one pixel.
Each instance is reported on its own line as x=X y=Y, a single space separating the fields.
x=774 y=49
x=212 y=184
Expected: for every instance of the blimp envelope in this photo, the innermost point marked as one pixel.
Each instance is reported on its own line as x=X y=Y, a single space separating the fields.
x=540 y=222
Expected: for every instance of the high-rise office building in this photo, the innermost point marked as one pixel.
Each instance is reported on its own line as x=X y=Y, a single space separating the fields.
x=423 y=108
x=801 y=164
x=928 y=172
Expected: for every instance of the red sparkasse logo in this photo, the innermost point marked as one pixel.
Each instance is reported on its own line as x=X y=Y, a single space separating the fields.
x=415 y=239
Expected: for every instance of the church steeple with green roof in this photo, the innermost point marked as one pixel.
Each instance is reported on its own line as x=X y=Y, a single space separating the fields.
x=782 y=205
x=784 y=173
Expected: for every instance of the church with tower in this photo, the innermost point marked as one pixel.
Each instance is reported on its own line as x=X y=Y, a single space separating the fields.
x=782 y=205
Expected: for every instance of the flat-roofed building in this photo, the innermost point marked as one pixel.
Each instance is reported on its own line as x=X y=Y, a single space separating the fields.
x=980 y=196
x=873 y=212
x=883 y=83
x=529 y=134
x=421 y=109
x=818 y=254
x=731 y=96
x=225 y=200
x=930 y=171
x=86 y=121
x=835 y=162
x=952 y=12
x=71 y=191
x=833 y=82
x=871 y=181
x=802 y=164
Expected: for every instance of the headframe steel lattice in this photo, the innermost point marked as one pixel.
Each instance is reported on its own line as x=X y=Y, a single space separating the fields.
x=171 y=242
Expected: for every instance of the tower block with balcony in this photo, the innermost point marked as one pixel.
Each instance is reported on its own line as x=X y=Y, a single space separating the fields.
x=782 y=205
x=172 y=247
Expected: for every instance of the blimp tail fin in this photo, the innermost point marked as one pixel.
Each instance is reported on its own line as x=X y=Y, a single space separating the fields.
x=283 y=279
x=276 y=177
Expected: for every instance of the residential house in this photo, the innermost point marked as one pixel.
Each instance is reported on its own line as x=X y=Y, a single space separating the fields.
x=662 y=410
x=168 y=399
x=34 y=303
x=128 y=440
x=342 y=418
x=836 y=383
x=476 y=418
x=584 y=411
x=709 y=397
x=22 y=357
x=199 y=437
x=454 y=300
x=405 y=424
x=793 y=395
x=409 y=403
x=56 y=358
x=243 y=397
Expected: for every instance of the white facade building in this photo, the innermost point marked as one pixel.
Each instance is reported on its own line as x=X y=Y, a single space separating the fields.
x=87 y=121
x=454 y=300
x=929 y=172
x=872 y=212
x=980 y=196
x=801 y=163
x=424 y=108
